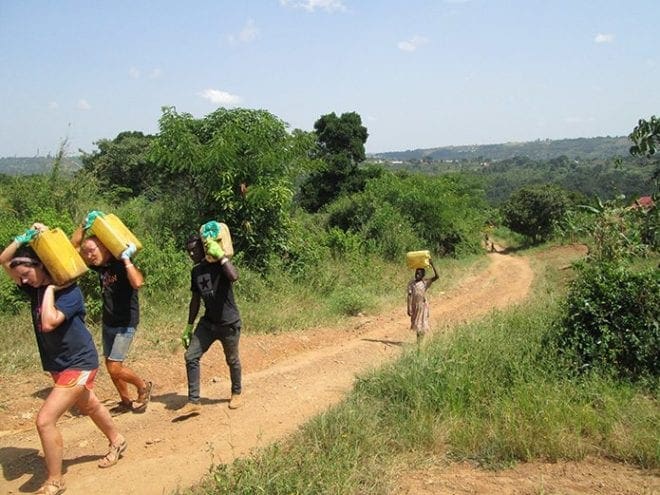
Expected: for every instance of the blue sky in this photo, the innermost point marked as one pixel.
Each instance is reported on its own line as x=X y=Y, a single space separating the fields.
x=421 y=73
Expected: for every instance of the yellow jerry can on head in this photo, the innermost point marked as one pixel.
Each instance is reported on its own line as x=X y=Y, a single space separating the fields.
x=418 y=259
x=220 y=233
x=114 y=235
x=61 y=259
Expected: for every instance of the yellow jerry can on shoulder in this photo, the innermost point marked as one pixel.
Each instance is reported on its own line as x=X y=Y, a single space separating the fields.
x=61 y=259
x=418 y=259
x=114 y=235
x=223 y=238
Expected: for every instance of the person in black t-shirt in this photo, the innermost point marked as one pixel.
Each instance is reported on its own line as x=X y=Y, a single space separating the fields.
x=67 y=352
x=211 y=282
x=120 y=281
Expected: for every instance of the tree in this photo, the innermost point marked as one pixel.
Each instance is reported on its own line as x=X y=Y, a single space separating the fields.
x=236 y=166
x=646 y=137
x=340 y=146
x=123 y=164
x=533 y=211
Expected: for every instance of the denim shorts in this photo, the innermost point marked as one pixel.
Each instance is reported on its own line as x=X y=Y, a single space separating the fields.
x=117 y=342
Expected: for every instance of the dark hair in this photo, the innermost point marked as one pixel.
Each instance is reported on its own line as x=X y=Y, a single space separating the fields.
x=26 y=256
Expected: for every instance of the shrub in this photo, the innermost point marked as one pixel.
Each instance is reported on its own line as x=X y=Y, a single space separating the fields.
x=610 y=321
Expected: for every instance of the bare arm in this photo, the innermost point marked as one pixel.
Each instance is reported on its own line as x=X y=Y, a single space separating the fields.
x=193 y=308
x=435 y=274
x=7 y=255
x=77 y=237
x=134 y=275
x=229 y=269
x=51 y=317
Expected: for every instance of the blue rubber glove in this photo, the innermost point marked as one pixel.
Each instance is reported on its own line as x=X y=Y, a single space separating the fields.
x=213 y=248
x=91 y=216
x=128 y=252
x=187 y=335
x=27 y=237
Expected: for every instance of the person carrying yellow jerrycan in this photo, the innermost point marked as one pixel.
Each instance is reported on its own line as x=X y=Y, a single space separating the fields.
x=120 y=279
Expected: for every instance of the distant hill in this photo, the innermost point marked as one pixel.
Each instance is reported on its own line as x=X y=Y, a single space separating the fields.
x=23 y=165
x=581 y=148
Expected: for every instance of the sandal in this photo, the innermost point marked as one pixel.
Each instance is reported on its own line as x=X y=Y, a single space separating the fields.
x=51 y=487
x=144 y=396
x=121 y=407
x=114 y=454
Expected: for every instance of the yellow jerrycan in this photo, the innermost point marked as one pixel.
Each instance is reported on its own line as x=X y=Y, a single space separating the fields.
x=223 y=238
x=114 y=235
x=418 y=259
x=61 y=259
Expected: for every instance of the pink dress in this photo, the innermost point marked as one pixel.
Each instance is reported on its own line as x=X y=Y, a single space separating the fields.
x=419 y=306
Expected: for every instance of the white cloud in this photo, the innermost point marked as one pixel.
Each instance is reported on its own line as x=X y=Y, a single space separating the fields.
x=412 y=44
x=53 y=105
x=218 y=97
x=83 y=105
x=155 y=73
x=604 y=38
x=312 y=5
x=249 y=33
x=134 y=73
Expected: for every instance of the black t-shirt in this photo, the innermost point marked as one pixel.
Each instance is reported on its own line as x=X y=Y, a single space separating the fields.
x=215 y=289
x=121 y=307
x=69 y=346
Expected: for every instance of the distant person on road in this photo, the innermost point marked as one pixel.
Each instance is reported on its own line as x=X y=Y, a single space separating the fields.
x=212 y=283
x=418 y=306
x=120 y=281
x=67 y=352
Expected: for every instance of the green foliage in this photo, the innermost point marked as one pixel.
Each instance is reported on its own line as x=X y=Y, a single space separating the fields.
x=534 y=211
x=397 y=214
x=122 y=164
x=610 y=321
x=615 y=231
x=236 y=166
x=646 y=137
x=340 y=146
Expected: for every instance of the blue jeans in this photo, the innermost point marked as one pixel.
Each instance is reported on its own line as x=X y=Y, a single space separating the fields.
x=205 y=334
x=117 y=341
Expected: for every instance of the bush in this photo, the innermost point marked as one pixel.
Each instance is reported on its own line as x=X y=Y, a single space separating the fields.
x=610 y=321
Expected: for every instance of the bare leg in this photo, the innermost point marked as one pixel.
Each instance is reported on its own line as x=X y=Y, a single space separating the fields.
x=57 y=403
x=90 y=405
x=121 y=376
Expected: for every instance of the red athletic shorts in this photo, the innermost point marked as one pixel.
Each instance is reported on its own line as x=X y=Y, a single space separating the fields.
x=71 y=378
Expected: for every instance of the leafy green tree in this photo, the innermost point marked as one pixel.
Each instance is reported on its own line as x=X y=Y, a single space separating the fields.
x=236 y=166
x=123 y=165
x=340 y=146
x=646 y=137
x=533 y=211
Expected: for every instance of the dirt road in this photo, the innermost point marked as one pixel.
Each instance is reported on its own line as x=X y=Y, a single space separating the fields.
x=287 y=379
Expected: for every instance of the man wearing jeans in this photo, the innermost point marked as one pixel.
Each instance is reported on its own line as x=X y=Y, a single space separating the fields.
x=212 y=283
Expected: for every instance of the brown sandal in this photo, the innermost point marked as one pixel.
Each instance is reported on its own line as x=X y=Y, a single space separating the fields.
x=144 y=396
x=114 y=454
x=51 y=487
